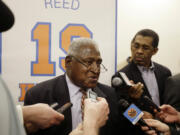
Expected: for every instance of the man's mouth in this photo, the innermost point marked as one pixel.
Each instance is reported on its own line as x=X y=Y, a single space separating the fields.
x=94 y=78
x=139 y=58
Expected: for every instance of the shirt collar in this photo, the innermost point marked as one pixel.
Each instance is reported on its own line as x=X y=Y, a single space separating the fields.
x=73 y=89
x=142 y=68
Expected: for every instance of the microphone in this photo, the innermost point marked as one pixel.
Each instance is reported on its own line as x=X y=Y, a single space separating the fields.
x=151 y=103
x=133 y=113
x=6 y=17
x=116 y=81
x=122 y=84
x=62 y=108
x=120 y=80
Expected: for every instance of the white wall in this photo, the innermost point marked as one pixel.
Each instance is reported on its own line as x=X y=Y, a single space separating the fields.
x=163 y=16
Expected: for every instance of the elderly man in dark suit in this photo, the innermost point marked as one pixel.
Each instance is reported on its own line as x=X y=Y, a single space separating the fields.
x=83 y=66
x=41 y=116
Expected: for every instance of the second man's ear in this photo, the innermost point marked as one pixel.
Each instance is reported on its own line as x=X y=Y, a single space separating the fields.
x=155 y=51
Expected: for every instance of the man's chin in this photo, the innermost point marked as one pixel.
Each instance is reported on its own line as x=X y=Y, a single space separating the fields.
x=139 y=63
x=92 y=84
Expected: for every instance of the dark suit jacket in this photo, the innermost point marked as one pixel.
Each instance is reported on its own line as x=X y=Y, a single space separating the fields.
x=56 y=90
x=161 y=73
x=172 y=91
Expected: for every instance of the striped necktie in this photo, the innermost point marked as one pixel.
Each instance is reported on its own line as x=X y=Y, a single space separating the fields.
x=84 y=96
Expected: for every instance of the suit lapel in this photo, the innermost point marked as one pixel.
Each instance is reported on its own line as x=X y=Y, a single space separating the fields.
x=61 y=95
x=99 y=92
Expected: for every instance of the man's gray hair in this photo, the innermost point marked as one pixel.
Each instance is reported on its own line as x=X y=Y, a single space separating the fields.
x=76 y=44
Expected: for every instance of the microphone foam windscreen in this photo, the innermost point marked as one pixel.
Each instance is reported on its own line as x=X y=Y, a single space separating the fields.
x=116 y=81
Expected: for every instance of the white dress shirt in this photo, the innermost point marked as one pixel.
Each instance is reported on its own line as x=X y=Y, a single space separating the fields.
x=151 y=82
x=75 y=98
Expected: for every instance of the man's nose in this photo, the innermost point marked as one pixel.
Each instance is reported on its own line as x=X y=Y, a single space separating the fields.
x=95 y=68
x=140 y=50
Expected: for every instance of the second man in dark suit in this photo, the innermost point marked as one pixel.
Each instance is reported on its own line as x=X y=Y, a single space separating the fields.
x=142 y=69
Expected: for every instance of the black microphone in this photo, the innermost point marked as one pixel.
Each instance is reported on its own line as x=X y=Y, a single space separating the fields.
x=6 y=17
x=120 y=80
x=125 y=104
x=151 y=103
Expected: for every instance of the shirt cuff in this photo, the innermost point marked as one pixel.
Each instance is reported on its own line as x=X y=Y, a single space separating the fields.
x=20 y=113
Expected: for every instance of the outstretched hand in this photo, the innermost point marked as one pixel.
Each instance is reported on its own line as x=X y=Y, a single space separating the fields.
x=159 y=126
x=40 y=116
x=169 y=114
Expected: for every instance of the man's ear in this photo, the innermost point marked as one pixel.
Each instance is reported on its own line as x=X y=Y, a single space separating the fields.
x=68 y=61
x=155 y=51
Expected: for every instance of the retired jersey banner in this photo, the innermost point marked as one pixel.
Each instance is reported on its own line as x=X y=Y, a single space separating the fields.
x=34 y=49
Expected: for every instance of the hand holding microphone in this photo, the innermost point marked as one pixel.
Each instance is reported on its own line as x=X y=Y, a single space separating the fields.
x=120 y=81
x=135 y=91
x=40 y=116
x=158 y=125
x=169 y=114
x=97 y=112
x=133 y=113
x=95 y=116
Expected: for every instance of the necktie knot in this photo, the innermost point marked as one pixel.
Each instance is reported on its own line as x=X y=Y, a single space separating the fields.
x=83 y=92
